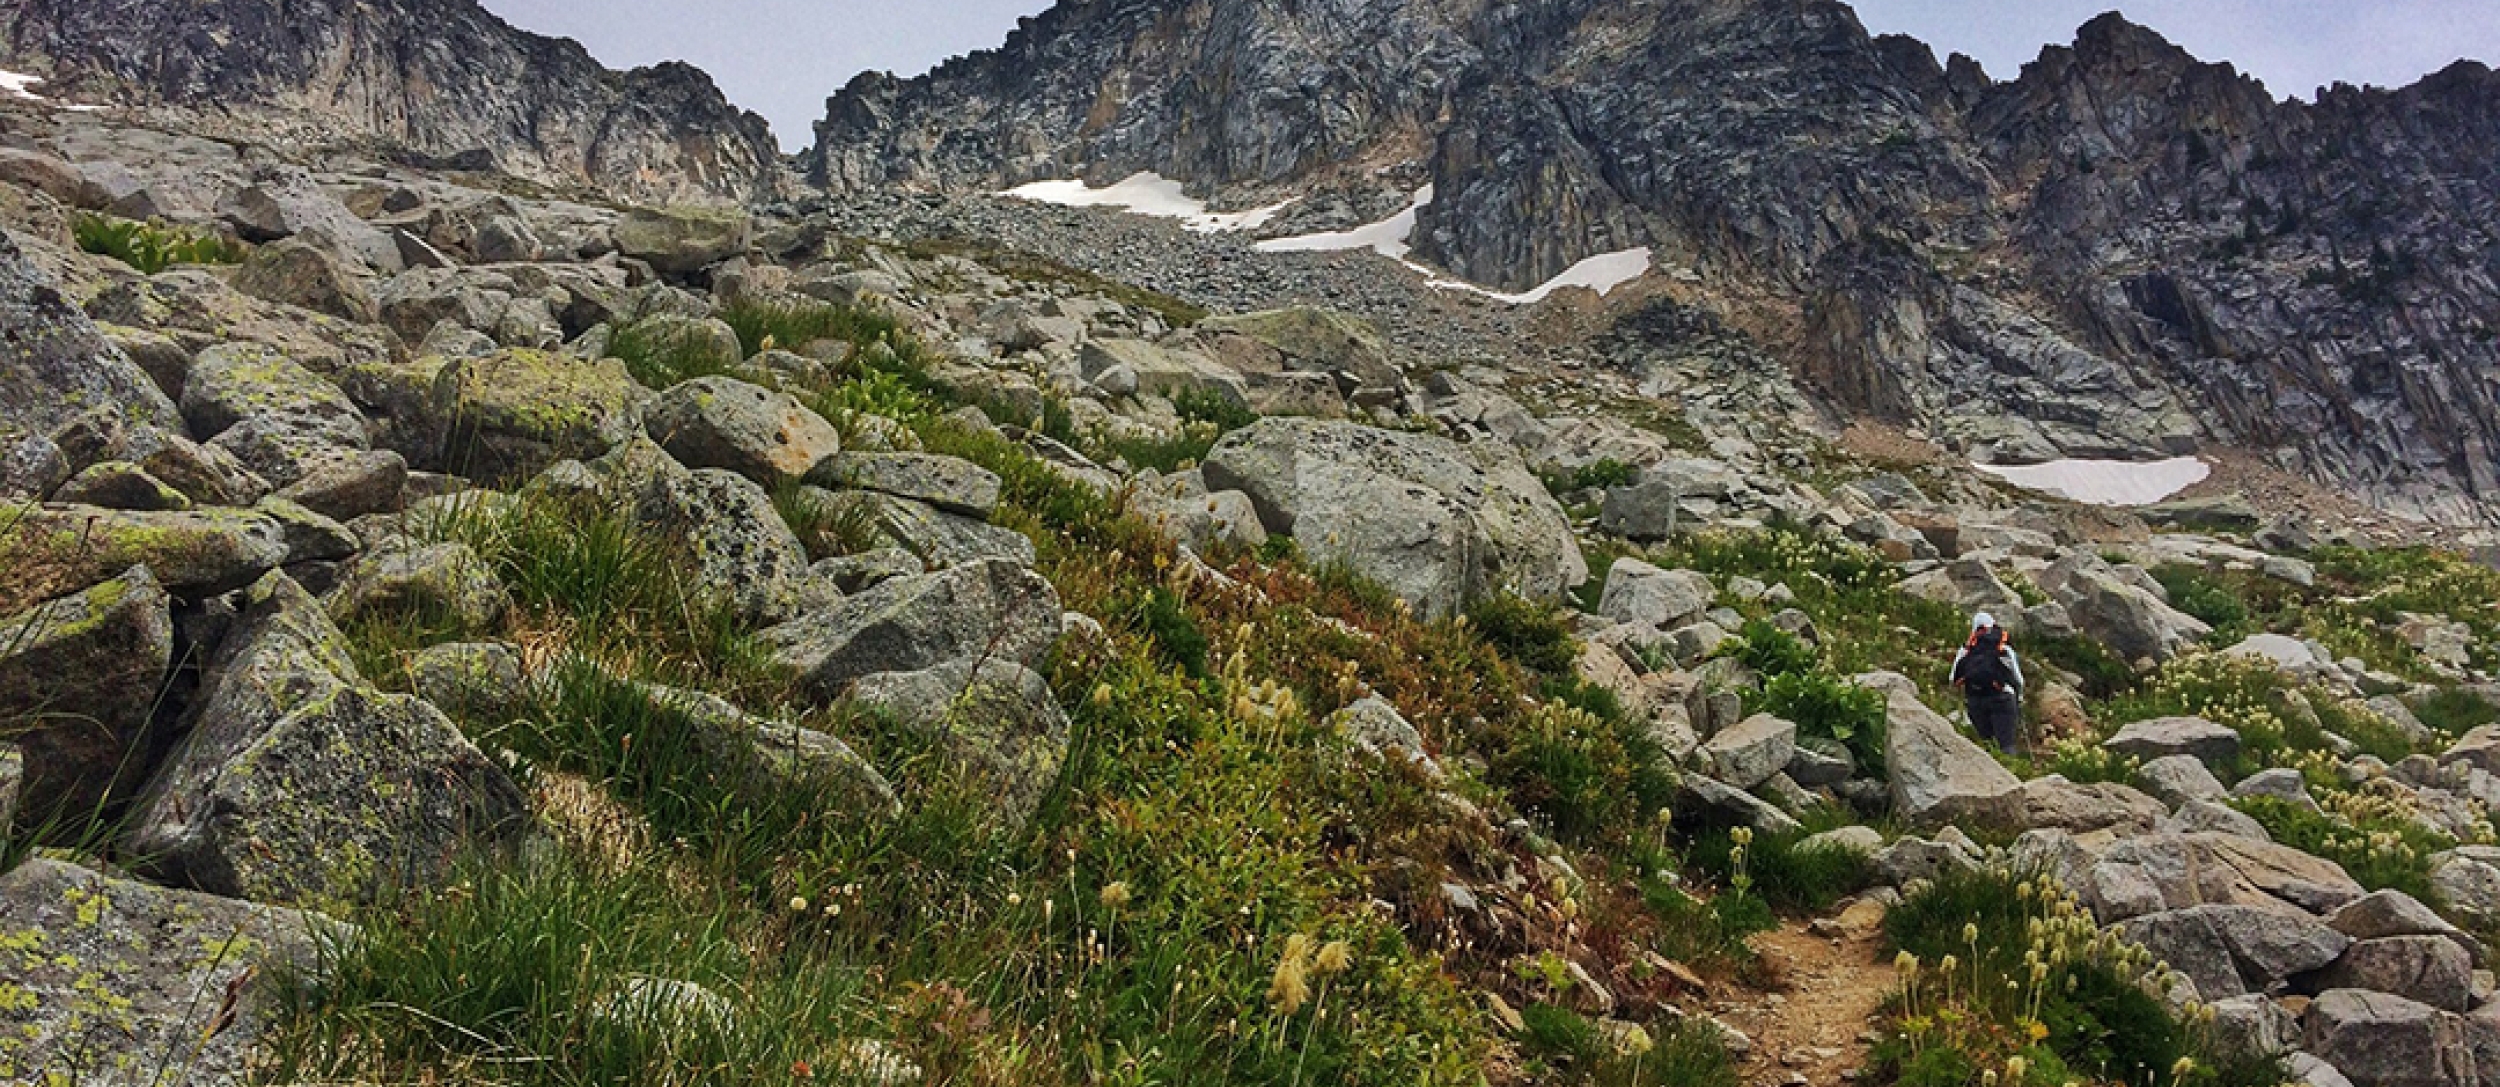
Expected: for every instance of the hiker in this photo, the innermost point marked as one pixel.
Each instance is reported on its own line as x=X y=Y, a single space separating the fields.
x=1991 y=678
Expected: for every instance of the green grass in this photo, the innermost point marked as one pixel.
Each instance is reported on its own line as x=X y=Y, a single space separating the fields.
x=1564 y=1047
x=519 y=973
x=2381 y=850
x=794 y=326
x=2279 y=722
x=1206 y=417
x=661 y=354
x=151 y=247
x=2453 y=712
x=1824 y=705
x=1789 y=880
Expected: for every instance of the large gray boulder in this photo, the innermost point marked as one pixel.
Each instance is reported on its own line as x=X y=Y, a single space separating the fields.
x=678 y=240
x=2232 y=950
x=1969 y=585
x=937 y=538
x=2254 y=1026
x=1439 y=523
x=2178 y=779
x=1717 y=801
x=1153 y=370
x=722 y=422
x=55 y=364
x=2430 y=969
x=233 y=383
x=2381 y=1040
x=2207 y=869
x=2381 y=914
x=742 y=550
x=950 y=484
x=1936 y=774
x=443 y=581
x=995 y=719
x=762 y=757
x=2055 y=803
x=2120 y=613
x=297 y=783
x=1307 y=339
x=79 y=682
x=1752 y=751
x=2468 y=879
x=2215 y=745
x=297 y=272
x=1637 y=592
x=54 y=550
x=287 y=203
x=513 y=413
x=992 y=610
x=114 y=981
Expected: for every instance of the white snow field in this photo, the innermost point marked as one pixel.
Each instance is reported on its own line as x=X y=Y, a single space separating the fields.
x=19 y=85
x=1152 y=194
x=2106 y=482
x=1390 y=238
x=1601 y=273
x=1387 y=237
x=1146 y=193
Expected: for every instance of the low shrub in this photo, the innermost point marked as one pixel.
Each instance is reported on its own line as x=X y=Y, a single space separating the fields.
x=1588 y=777
x=1771 y=652
x=2453 y=712
x=1825 y=705
x=1537 y=635
x=151 y=247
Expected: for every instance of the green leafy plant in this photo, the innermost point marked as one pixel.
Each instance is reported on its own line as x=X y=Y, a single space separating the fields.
x=151 y=247
x=1822 y=704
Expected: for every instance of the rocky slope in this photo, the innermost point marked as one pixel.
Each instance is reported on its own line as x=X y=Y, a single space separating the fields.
x=443 y=81
x=2123 y=251
x=638 y=639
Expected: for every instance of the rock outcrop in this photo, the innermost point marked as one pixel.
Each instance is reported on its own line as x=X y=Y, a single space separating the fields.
x=444 y=80
x=1442 y=525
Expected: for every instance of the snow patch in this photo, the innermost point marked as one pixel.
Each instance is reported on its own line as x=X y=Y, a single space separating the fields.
x=1387 y=237
x=1147 y=193
x=2106 y=482
x=1601 y=273
x=1392 y=238
x=19 y=85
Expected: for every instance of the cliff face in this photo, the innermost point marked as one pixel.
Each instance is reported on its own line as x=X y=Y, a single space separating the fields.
x=1217 y=91
x=2124 y=250
x=443 y=79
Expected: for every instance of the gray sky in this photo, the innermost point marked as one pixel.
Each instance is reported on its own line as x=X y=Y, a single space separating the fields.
x=781 y=58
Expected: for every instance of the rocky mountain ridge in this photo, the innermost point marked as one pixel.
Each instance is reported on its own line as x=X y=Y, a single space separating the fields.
x=443 y=82
x=2124 y=251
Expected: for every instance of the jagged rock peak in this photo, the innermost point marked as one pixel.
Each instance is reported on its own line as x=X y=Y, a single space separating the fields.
x=443 y=81
x=2122 y=251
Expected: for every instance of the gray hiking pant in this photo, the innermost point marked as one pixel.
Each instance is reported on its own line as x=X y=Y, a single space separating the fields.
x=1996 y=718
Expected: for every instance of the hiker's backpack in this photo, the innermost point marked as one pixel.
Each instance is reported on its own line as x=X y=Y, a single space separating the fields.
x=1983 y=664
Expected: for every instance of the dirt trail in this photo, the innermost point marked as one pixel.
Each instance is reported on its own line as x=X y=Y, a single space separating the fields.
x=1808 y=1032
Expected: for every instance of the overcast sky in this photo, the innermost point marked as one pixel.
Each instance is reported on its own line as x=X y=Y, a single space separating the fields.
x=781 y=58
